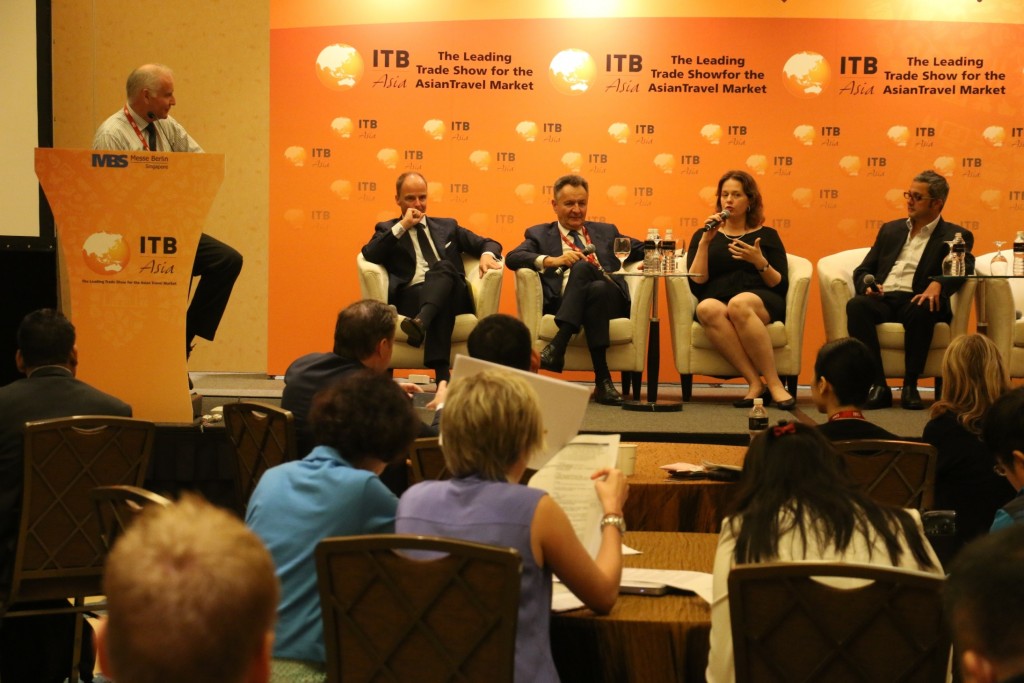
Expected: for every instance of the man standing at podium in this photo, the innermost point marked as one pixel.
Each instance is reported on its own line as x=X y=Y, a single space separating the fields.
x=145 y=124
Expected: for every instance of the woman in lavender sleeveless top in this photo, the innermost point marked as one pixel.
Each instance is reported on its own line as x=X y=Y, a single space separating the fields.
x=491 y=426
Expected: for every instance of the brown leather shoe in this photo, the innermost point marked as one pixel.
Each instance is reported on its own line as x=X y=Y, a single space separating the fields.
x=413 y=328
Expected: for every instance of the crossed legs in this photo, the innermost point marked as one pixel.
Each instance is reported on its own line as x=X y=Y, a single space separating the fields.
x=739 y=331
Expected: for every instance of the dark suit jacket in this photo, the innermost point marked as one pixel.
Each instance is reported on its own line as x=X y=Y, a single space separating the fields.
x=399 y=258
x=890 y=240
x=50 y=392
x=546 y=240
x=304 y=378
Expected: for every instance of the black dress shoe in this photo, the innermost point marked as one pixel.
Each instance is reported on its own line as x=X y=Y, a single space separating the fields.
x=413 y=328
x=606 y=394
x=879 y=396
x=766 y=399
x=788 y=404
x=910 y=399
x=554 y=360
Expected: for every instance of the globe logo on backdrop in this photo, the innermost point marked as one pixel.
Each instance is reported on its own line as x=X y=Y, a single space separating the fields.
x=105 y=253
x=806 y=74
x=572 y=71
x=339 y=67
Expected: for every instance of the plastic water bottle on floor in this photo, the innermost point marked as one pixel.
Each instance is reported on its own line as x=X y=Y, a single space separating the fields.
x=1018 y=253
x=757 y=418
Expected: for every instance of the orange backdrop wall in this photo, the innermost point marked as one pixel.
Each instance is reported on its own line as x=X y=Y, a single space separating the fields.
x=832 y=116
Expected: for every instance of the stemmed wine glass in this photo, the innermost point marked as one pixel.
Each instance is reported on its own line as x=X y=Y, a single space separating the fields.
x=999 y=265
x=621 y=248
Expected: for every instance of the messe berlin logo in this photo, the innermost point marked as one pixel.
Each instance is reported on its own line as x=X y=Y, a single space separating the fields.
x=339 y=66
x=806 y=74
x=105 y=253
x=572 y=71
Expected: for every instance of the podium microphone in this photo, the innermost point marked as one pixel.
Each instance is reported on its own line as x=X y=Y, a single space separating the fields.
x=587 y=251
x=716 y=220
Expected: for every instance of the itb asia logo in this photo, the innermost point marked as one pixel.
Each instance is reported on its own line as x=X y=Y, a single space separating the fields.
x=108 y=253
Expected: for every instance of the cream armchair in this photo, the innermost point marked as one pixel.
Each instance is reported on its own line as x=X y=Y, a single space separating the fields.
x=628 y=347
x=1004 y=299
x=835 y=274
x=696 y=355
x=485 y=293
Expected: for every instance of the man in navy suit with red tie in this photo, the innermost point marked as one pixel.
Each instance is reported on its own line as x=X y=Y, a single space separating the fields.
x=426 y=278
x=577 y=287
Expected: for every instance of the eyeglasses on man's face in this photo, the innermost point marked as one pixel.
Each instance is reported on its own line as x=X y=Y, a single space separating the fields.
x=915 y=197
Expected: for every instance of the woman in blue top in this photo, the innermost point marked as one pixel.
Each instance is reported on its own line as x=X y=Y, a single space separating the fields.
x=1003 y=433
x=491 y=426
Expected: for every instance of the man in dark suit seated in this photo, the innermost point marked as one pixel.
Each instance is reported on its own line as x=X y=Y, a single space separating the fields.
x=426 y=277
x=842 y=378
x=364 y=335
x=577 y=287
x=39 y=648
x=906 y=255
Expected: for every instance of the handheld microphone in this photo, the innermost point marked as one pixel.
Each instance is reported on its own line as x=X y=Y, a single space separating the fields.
x=587 y=251
x=716 y=220
x=869 y=281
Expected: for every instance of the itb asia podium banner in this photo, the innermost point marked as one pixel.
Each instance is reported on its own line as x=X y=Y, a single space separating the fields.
x=833 y=117
x=128 y=224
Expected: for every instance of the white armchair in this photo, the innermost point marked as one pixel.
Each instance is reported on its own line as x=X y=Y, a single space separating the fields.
x=696 y=355
x=485 y=293
x=628 y=336
x=835 y=274
x=1003 y=300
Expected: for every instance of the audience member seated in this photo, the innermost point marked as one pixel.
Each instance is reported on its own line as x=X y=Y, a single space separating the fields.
x=795 y=503
x=360 y=423
x=502 y=339
x=191 y=595
x=840 y=388
x=1003 y=433
x=983 y=599
x=492 y=425
x=40 y=648
x=973 y=377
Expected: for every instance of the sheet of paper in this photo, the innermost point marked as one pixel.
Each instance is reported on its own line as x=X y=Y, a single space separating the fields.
x=563 y=404
x=722 y=466
x=562 y=599
x=566 y=478
x=682 y=467
x=697 y=582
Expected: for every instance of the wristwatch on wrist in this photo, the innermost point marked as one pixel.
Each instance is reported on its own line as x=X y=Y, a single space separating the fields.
x=616 y=521
x=766 y=267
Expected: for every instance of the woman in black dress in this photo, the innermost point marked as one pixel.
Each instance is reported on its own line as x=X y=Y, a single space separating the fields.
x=742 y=287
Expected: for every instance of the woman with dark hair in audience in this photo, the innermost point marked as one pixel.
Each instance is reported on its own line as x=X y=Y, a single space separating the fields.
x=1003 y=433
x=492 y=424
x=795 y=503
x=741 y=284
x=840 y=388
x=973 y=377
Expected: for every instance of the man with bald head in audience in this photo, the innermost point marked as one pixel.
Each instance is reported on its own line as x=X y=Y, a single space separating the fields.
x=191 y=596
x=144 y=123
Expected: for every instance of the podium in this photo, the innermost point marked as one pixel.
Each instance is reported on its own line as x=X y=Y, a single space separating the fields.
x=128 y=224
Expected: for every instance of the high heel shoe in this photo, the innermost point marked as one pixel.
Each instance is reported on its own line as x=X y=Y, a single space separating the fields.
x=766 y=398
x=788 y=404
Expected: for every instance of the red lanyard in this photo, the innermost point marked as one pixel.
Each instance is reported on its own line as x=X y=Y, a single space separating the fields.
x=846 y=415
x=135 y=127
x=586 y=240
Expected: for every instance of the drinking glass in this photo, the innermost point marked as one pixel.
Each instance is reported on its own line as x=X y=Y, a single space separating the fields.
x=621 y=248
x=947 y=263
x=999 y=265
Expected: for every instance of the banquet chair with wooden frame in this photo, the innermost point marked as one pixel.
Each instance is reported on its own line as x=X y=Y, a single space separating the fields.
x=628 y=337
x=485 y=293
x=59 y=552
x=835 y=275
x=789 y=626
x=404 y=608
x=262 y=436
x=892 y=472
x=426 y=460
x=116 y=508
x=694 y=353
